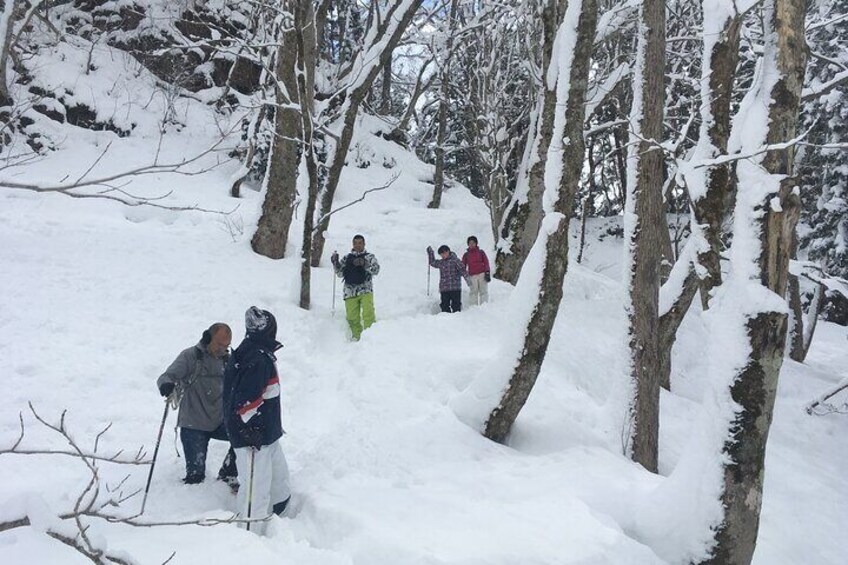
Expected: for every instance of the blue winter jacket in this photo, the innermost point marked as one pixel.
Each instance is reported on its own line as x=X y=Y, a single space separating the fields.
x=252 y=393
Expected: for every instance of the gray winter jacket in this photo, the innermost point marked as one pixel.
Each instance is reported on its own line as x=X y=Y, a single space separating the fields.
x=372 y=267
x=201 y=384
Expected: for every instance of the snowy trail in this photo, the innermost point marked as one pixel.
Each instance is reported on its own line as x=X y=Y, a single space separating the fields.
x=98 y=299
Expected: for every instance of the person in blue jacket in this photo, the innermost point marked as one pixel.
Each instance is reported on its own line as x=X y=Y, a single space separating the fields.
x=253 y=420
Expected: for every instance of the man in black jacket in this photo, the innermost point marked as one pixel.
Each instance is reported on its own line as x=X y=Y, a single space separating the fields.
x=253 y=420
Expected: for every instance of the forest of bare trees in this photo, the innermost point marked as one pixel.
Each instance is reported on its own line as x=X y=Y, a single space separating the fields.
x=727 y=118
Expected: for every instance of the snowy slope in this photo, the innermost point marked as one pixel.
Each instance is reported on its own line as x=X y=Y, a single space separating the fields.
x=96 y=299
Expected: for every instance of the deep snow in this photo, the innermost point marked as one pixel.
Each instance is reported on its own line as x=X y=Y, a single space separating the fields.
x=97 y=298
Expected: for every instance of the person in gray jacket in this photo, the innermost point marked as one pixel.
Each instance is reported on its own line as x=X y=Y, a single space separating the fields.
x=196 y=380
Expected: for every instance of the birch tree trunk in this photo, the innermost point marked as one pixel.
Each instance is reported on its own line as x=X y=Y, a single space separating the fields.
x=766 y=213
x=643 y=221
x=568 y=79
x=523 y=215
x=272 y=231
x=368 y=65
x=444 y=88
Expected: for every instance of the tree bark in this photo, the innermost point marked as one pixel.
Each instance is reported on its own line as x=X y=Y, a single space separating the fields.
x=523 y=215
x=7 y=20
x=272 y=231
x=441 y=134
x=671 y=319
x=644 y=220
x=386 y=89
x=374 y=59
x=713 y=207
x=306 y=41
x=710 y=208
x=554 y=238
x=774 y=219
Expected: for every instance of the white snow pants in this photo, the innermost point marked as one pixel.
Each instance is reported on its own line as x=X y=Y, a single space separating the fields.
x=270 y=483
x=479 y=289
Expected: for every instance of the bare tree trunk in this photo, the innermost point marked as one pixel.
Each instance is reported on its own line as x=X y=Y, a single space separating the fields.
x=711 y=203
x=584 y=217
x=387 y=38
x=235 y=189
x=272 y=231
x=672 y=317
x=773 y=219
x=711 y=209
x=569 y=147
x=523 y=215
x=7 y=20
x=802 y=330
x=305 y=76
x=386 y=90
x=644 y=221
x=441 y=134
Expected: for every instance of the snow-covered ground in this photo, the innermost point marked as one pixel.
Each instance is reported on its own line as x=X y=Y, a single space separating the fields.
x=97 y=298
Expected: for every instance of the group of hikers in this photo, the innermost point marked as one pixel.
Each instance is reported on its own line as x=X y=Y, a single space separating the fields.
x=236 y=397
x=474 y=268
x=358 y=268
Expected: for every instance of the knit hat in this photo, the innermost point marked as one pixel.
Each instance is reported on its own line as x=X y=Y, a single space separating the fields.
x=444 y=249
x=256 y=320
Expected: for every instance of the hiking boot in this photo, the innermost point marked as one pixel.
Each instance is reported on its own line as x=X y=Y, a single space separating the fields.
x=193 y=479
x=231 y=481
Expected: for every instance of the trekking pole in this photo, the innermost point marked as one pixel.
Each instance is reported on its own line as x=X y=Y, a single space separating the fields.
x=428 y=275
x=250 y=488
x=155 y=453
x=334 y=294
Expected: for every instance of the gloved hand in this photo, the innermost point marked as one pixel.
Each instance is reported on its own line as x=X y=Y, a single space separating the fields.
x=359 y=262
x=165 y=389
x=487 y=277
x=252 y=437
x=429 y=250
x=334 y=258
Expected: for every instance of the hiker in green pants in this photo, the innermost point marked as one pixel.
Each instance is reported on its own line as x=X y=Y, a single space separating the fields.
x=357 y=269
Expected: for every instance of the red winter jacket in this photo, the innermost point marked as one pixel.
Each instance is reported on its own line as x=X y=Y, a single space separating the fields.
x=476 y=261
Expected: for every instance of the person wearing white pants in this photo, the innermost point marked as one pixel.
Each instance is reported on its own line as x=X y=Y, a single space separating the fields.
x=254 y=423
x=270 y=482
x=478 y=286
x=477 y=265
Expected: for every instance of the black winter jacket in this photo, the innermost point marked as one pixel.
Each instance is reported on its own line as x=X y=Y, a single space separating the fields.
x=252 y=393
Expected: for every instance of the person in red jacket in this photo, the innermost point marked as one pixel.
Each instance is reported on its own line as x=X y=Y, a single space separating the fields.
x=477 y=265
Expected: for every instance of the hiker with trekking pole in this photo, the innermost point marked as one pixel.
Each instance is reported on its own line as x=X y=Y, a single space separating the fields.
x=357 y=268
x=253 y=418
x=194 y=384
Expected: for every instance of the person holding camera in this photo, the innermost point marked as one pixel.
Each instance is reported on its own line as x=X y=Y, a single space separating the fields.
x=357 y=268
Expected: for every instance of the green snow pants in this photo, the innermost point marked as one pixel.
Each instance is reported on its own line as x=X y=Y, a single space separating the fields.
x=360 y=313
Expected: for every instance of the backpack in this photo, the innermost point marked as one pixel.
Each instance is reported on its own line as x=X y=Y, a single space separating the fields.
x=352 y=274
